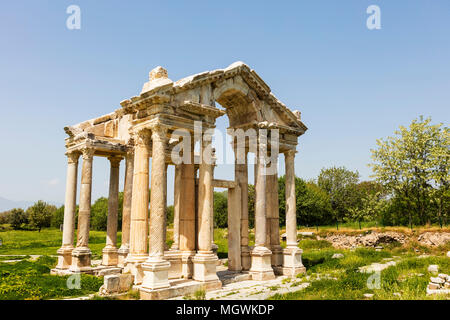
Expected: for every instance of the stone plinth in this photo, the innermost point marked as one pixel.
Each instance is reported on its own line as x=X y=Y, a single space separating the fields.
x=261 y=268
x=174 y=257
x=110 y=256
x=81 y=260
x=292 y=262
x=156 y=274
x=205 y=267
x=64 y=257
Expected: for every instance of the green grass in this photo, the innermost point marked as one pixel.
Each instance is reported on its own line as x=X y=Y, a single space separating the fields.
x=32 y=280
x=45 y=242
x=407 y=280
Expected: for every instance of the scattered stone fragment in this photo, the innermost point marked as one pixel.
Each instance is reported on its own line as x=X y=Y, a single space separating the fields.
x=397 y=294
x=433 y=268
x=337 y=256
x=433 y=286
x=437 y=280
x=448 y=254
x=368 y=295
x=443 y=276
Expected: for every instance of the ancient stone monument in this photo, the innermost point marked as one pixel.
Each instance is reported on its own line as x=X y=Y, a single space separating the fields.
x=163 y=123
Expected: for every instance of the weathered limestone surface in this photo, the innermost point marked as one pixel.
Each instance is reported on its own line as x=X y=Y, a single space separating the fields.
x=126 y=211
x=110 y=252
x=149 y=126
x=65 y=252
x=81 y=255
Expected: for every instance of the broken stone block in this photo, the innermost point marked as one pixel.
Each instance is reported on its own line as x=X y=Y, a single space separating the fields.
x=125 y=282
x=447 y=285
x=437 y=280
x=337 y=256
x=443 y=276
x=433 y=286
x=448 y=254
x=111 y=283
x=368 y=295
x=433 y=268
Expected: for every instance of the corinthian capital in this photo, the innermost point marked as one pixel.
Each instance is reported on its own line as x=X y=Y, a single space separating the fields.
x=115 y=161
x=142 y=137
x=159 y=133
x=87 y=153
x=290 y=153
x=72 y=157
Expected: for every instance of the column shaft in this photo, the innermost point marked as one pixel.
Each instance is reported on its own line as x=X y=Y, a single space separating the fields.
x=140 y=199
x=205 y=199
x=176 y=209
x=84 y=213
x=157 y=195
x=70 y=201
x=126 y=211
x=291 y=218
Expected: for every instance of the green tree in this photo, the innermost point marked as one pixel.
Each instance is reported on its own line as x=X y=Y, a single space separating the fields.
x=413 y=166
x=220 y=209
x=57 y=217
x=99 y=214
x=17 y=218
x=40 y=215
x=340 y=185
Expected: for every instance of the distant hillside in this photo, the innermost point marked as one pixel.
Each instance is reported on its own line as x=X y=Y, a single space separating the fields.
x=6 y=204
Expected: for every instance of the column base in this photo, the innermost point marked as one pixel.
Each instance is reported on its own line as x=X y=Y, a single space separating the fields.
x=277 y=256
x=174 y=257
x=81 y=260
x=64 y=257
x=110 y=256
x=246 y=260
x=133 y=265
x=292 y=262
x=261 y=268
x=205 y=267
x=122 y=255
x=187 y=266
x=156 y=274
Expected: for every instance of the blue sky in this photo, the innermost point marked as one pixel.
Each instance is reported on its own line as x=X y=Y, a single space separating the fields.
x=352 y=85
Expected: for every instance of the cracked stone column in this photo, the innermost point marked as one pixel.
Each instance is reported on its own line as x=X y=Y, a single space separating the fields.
x=81 y=255
x=156 y=267
x=186 y=211
x=273 y=216
x=205 y=260
x=241 y=176
x=139 y=207
x=110 y=251
x=292 y=255
x=65 y=252
x=126 y=211
x=261 y=268
x=176 y=209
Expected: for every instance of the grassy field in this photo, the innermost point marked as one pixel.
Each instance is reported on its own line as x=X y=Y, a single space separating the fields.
x=329 y=278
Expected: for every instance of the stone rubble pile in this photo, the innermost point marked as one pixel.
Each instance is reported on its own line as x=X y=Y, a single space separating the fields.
x=373 y=239
x=439 y=284
x=434 y=239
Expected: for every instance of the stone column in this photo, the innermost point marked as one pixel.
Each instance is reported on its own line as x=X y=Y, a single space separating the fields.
x=139 y=207
x=214 y=247
x=65 y=252
x=273 y=217
x=81 y=255
x=176 y=209
x=156 y=267
x=261 y=268
x=110 y=252
x=241 y=176
x=126 y=211
x=234 y=229
x=292 y=255
x=205 y=260
x=165 y=207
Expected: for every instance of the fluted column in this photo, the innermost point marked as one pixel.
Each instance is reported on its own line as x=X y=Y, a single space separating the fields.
x=110 y=252
x=139 y=201
x=65 y=252
x=292 y=255
x=205 y=260
x=126 y=211
x=81 y=255
x=156 y=267
x=261 y=268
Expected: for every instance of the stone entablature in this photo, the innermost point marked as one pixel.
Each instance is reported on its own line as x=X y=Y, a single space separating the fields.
x=144 y=128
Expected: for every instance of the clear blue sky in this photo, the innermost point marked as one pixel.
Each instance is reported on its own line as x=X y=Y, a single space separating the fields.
x=352 y=85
